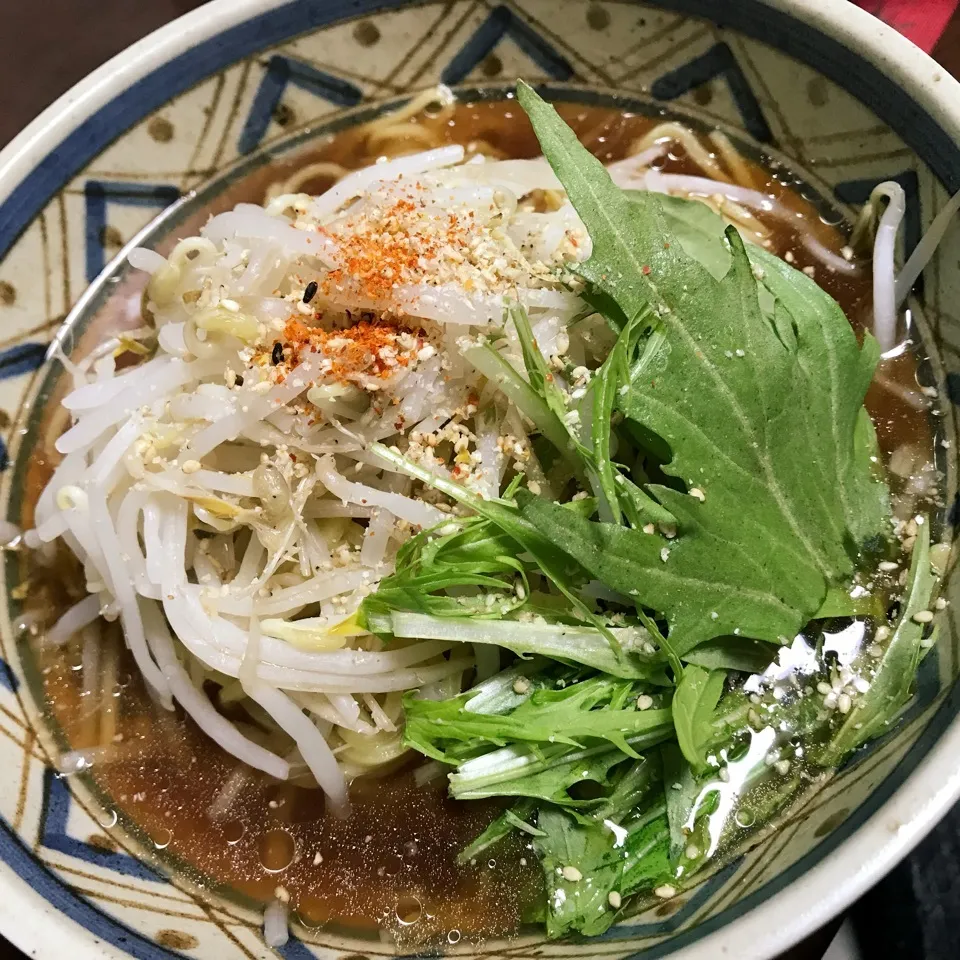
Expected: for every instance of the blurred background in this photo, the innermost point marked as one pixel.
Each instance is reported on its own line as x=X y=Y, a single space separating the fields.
x=46 y=46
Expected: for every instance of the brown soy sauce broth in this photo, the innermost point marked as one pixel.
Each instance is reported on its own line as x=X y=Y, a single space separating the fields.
x=392 y=865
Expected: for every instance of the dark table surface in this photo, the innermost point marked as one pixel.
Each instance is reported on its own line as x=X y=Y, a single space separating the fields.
x=914 y=914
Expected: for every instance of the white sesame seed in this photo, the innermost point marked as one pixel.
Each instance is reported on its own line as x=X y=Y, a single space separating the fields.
x=665 y=891
x=889 y=565
x=883 y=632
x=692 y=851
x=940 y=603
x=571 y=874
x=190 y=466
x=521 y=685
x=664 y=554
x=698 y=493
x=824 y=687
x=923 y=616
x=875 y=650
x=739 y=353
x=649 y=528
x=844 y=703
x=644 y=702
x=614 y=899
x=782 y=767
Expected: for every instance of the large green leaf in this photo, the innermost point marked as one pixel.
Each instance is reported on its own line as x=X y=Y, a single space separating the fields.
x=759 y=412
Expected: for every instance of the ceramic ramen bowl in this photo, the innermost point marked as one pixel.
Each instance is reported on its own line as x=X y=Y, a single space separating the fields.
x=171 y=125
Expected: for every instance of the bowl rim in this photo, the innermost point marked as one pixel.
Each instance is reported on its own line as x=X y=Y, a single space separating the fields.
x=857 y=861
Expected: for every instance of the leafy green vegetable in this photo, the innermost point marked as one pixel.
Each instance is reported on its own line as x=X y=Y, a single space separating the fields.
x=608 y=859
x=757 y=548
x=733 y=653
x=469 y=552
x=597 y=708
x=498 y=829
x=697 y=228
x=581 y=869
x=558 y=567
x=619 y=493
x=680 y=789
x=545 y=772
x=574 y=643
x=696 y=697
x=894 y=675
x=485 y=357
x=538 y=371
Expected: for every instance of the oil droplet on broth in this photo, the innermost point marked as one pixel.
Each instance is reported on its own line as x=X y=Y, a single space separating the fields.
x=744 y=818
x=409 y=910
x=306 y=919
x=453 y=936
x=107 y=819
x=233 y=831
x=161 y=838
x=277 y=850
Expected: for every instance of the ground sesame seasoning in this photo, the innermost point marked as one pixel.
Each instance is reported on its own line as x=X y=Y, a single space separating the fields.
x=367 y=348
